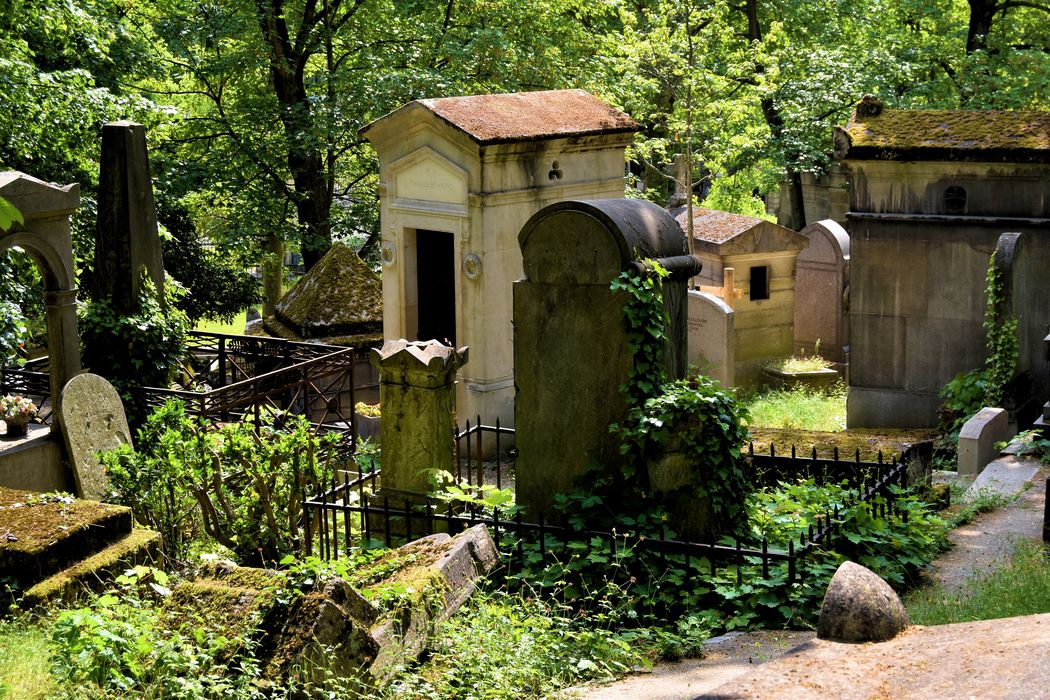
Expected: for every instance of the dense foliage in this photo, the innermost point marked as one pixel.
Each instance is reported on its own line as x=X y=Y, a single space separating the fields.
x=239 y=486
x=142 y=349
x=253 y=109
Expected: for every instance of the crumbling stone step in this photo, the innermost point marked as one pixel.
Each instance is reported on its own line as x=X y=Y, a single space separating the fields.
x=42 y=534
x=140 y=546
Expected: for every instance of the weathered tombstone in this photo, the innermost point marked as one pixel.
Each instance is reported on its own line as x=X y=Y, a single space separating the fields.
x=821 y=281
x=93 y=421
x=1023 y=290
x=417 y=391
x=127 y=243
x=711 y=339
x=977 y=439
x=334 y=631
x=571 y=352
x=860 y=607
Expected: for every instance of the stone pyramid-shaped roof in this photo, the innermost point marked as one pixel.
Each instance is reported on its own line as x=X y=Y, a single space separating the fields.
x=339 y=300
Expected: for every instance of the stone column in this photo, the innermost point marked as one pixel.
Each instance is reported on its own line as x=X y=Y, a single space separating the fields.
x=418 y=398
x=63 y=342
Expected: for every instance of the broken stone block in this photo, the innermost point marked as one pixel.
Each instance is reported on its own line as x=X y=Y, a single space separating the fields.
x=860 y=607
x=364 y=629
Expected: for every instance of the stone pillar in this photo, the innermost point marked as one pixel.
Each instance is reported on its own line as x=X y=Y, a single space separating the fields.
x=418 y=396
x=63 y=343
x=126 y=242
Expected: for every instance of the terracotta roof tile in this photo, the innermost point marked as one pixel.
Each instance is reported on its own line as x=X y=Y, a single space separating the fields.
x=713 y=225
x=530 y=116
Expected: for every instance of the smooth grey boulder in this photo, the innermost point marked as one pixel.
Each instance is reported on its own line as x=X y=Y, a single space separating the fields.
x=860 y=607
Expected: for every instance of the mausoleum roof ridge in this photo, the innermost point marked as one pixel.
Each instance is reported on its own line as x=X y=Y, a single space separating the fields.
x=526 y=116
x=713 y=225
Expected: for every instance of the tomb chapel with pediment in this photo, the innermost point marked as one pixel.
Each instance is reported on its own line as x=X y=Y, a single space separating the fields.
x=459 y=177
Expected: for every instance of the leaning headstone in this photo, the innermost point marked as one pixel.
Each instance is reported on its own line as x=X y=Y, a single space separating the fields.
x=711 y=337
x=860 y=607
x=93 y=421
x=978 y=436
x=126 y=242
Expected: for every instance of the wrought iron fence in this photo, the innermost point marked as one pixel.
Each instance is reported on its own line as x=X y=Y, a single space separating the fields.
x=240 y=377
x=352 y=511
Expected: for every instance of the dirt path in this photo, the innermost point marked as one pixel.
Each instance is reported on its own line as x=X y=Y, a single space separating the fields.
x=814 y=668
x=983 y=545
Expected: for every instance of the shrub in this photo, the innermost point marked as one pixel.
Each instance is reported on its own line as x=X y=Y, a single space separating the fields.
x=241 y=487
x=142 y=349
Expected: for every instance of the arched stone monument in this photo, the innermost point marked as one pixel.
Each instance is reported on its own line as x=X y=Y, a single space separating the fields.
x=821 y=281
x=45 y=235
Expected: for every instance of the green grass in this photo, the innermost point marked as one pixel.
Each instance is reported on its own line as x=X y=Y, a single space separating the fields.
x=25 y=649
x=235 y=327
x=1020 y=587
x=799 y=408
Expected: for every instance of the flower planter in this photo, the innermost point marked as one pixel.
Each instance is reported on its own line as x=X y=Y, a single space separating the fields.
x=814 y=379
x=366 y=426
x=16 y=429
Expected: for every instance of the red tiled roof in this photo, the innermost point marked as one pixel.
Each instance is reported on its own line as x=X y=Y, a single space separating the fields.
x=528 y=116
x=714 y=226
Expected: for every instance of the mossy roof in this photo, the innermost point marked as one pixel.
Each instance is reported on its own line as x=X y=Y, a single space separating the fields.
x=339 y=296
x=928 y=134
x=713 y=225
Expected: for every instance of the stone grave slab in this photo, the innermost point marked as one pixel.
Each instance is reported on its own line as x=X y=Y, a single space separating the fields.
x=93 y=421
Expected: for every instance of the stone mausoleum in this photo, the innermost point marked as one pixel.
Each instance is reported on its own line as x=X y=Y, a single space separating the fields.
x=459 y=176
x=762 y=255
x=931 y=192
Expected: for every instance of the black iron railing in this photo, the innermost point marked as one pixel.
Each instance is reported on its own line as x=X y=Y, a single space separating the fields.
x=353 y=512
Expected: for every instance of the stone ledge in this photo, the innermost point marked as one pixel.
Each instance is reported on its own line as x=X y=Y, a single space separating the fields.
x=141 y=546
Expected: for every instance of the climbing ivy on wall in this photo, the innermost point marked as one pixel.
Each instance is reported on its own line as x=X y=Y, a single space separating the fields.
x=643 y=319
x=971 y=391
x=695 y=415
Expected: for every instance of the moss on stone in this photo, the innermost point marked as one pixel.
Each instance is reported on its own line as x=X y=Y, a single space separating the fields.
x=340 y=295
x=41 y=534
x=968 y=130
x=140 y=546
x=869 y=442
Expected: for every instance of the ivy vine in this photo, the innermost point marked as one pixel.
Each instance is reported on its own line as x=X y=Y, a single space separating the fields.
x=643 y=320
x=695 y=416
x=971 y=391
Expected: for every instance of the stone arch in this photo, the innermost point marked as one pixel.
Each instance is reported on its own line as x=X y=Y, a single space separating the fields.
x=52 y=270
x=46 y=208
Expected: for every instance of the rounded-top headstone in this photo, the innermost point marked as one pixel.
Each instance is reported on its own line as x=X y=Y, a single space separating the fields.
x=93 y=421
x=860 y=607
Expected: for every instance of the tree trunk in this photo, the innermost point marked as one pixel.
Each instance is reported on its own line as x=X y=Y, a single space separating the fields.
x=775 y=122
x=313 y=204
x=981 y=14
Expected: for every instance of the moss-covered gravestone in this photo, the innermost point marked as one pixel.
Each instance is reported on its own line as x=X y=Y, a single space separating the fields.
x=93 y=421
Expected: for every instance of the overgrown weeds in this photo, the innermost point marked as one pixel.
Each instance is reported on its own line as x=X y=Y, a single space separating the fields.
x=799 y=408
